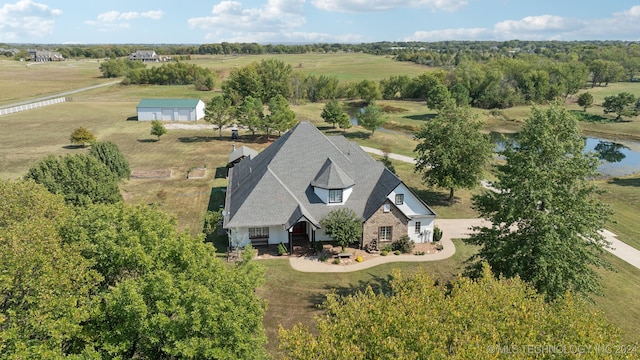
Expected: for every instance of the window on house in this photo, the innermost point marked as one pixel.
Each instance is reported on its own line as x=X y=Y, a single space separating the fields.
x=399 y=199
x=386 y=207
x=258 y=233
x=384 y=233
x=335 y=196
x=417 y=228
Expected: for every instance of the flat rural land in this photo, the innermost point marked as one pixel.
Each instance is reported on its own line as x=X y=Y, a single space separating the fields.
x=161 y=168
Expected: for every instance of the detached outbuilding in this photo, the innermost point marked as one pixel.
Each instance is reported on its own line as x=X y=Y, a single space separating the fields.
x=170 y=109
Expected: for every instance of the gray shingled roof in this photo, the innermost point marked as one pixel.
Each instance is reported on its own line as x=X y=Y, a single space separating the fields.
x=275 y=186
x=240 y=152
x=331 y=176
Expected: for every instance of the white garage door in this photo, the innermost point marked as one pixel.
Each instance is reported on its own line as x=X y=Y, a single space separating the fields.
x=183 y=114
x=167 y=114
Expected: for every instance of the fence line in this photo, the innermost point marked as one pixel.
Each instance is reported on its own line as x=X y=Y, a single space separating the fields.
x=35 y=105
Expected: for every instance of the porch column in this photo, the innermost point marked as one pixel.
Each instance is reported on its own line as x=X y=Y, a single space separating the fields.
x=290 y=231
x=313 y=239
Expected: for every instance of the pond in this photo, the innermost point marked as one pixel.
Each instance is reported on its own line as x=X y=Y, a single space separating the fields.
x=618 y=158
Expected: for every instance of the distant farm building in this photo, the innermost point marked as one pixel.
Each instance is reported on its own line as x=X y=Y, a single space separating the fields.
x=43 y=55
x=170 y=109
x=147 y=56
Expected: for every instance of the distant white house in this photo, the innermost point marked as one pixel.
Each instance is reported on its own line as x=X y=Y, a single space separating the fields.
x=170 y=109
x=44 y=55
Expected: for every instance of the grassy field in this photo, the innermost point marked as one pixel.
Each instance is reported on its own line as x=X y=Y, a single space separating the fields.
x=293 y=297
x=344 y=66
x=20 y=81
x=107 y=112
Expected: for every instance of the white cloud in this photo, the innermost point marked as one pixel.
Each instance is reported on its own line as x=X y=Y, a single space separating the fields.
x=382 y=5
x=112 y=16
x=276 y=15
x=114 y=20
x=624 y=25
x=26 y=19
x=280 y=37
x=450 y=34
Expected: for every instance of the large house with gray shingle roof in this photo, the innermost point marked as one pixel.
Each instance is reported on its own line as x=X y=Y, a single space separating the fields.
x=283 y=192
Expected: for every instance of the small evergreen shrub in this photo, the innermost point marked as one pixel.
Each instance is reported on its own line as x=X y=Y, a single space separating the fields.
x=282 y=250
x=384 y=253
x=404 y=244
x=323 y=258
x=397 y=252
x=336 y=261
x=437 y=234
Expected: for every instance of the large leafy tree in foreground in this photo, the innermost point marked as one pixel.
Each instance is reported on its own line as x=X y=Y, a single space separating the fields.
x=545 y=219
x=452 y=152
x=45 y=284
x=164 y=294
x=82 y=179
x=469 y=319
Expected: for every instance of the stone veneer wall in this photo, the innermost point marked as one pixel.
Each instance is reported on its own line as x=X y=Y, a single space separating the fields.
x=393 y=218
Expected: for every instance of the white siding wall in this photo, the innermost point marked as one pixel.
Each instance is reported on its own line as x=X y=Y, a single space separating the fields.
x=276 y=235
x=414 y=208
x=323 y=194
x=170 y=114
x=412 y=205
x=149 y=114
x=426 y=230
x=199 y=110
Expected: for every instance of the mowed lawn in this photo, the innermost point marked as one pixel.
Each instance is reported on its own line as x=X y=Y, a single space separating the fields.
x=21 y=80
x=108 y=112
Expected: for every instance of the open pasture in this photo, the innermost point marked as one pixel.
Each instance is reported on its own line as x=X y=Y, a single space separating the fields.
x=110 y=112
x=22 y=80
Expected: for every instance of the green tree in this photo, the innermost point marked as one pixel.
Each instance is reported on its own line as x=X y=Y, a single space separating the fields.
x=371 y=118
x=452 y=152
x=585 y=100
x=387 y=162
x=413 y=318
x=460 y=94
x=545 y=220
x=164 y=294
x=109 y=154
x=157 y=129
x=46 y=283
x=333 y=114
x=81 y=136
x=394 y=87
x=251 y=113
x=243 y=82
x=281 y=117
x=437 y=97
x=81 y=179
x=620 y=105
x=368 y=90
x=275 y=77
x=219 y=112
x=343 y=225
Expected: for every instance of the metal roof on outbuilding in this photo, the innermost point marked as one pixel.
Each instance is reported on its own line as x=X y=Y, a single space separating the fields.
x=168 y=103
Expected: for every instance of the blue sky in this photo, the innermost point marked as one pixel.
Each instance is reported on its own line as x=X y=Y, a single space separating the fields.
x=303 y=21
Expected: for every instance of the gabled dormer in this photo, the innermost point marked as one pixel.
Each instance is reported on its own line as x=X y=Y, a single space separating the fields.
x=332 y=185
